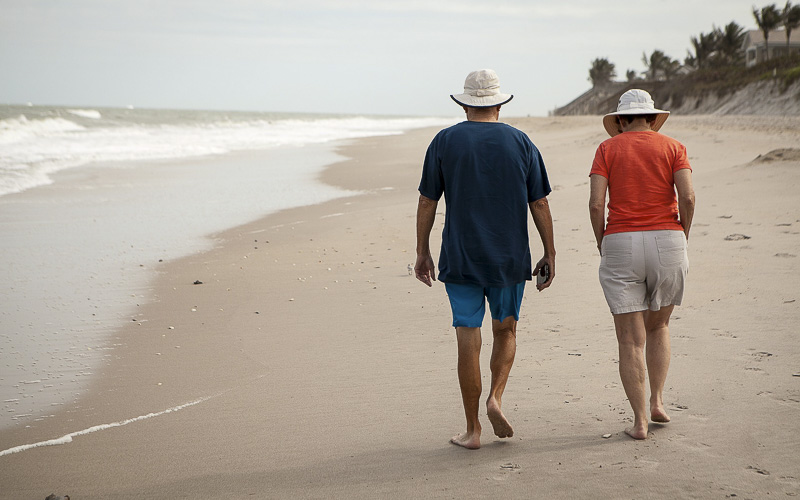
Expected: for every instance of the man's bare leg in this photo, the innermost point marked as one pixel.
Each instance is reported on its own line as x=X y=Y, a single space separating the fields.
x=469 y=378
x=658 y=353
x=504 y=348
x=631 y=337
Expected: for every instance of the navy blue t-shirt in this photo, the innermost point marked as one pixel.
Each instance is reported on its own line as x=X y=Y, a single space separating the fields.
x=488 y=173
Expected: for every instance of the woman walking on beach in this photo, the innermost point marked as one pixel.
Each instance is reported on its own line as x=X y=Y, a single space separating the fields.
x=643 y=243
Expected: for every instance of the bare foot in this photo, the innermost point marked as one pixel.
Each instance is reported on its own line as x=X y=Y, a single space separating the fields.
x=500 y=425
x=469 y=441
x=657 y=414
x=637 y=431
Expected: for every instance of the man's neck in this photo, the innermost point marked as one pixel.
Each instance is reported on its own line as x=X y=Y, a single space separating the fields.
x=483 y=114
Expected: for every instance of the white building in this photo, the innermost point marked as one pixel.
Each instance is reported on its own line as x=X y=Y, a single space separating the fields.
x=755 y=47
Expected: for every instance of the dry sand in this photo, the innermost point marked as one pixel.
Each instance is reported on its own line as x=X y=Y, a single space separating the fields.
x=310 y=364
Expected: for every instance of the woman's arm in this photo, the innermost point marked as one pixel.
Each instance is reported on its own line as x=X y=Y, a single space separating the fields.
x=683 y=183
x=597 y=206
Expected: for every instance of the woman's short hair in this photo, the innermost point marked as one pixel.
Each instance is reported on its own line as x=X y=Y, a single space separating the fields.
x=630 y=118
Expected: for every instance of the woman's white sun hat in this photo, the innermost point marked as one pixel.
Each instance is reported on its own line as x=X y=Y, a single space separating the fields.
x=482 y=90
x=634 y=102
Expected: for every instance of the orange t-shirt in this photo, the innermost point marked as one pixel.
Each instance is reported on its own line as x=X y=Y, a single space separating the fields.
x=639 y=167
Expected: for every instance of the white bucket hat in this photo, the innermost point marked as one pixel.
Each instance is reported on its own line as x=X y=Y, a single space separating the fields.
x=482 y=90
x=634 y=102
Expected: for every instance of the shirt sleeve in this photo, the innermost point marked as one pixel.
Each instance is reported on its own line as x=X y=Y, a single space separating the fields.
x=432 y=183
x=681 y=159
x=599 y=166
x=538 y=183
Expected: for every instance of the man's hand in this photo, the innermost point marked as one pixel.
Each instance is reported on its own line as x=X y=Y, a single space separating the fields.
x=424 y=269
x=426 y=213
x=551 y=262
x=540 y=210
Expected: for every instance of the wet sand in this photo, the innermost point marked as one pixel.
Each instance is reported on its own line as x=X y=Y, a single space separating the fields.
x=310 y=364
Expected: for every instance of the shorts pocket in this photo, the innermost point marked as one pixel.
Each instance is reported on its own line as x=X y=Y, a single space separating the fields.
x=617 y=251
x=671 y=249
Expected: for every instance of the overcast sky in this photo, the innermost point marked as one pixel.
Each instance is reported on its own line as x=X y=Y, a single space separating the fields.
x=338 y=56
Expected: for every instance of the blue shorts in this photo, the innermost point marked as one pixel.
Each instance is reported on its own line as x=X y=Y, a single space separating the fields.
x=469 y=306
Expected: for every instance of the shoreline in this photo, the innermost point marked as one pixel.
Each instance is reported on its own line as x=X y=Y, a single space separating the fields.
x=316 y=355
x=104 y=232
x=149 y=272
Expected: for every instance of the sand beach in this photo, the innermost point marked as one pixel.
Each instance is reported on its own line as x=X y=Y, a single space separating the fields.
x=298 y=357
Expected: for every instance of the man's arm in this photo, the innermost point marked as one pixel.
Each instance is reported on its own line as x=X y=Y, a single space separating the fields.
x=426 y=213
x=597 y=206
x=683 y=183
x=540 y=210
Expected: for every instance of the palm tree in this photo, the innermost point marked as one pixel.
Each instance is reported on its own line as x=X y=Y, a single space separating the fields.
x=631 y=75
x=767 y=19
x=690 y=60
x=704 y=47
x=791 y=20
x=601 y=72
x=658 y=61
x=729 y=43
x=653 y=63
x=671 y=67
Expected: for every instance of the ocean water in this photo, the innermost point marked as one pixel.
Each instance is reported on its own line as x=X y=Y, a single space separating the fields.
x=92 y=199
x=36 y=142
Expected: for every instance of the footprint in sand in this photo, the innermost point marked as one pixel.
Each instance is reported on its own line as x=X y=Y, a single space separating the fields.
x=676 y=437
x=700 y=446
x=506 y=470
x=791 y=399
x=758 y=470
x=640 y=463
x=737 y=237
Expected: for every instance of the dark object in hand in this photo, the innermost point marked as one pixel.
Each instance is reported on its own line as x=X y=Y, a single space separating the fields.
x=544 y=274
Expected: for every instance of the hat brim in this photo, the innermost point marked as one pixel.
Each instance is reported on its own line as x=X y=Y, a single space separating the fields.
x=488 y=101
x=611 y=124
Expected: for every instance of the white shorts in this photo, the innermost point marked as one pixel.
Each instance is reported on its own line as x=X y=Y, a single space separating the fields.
x=643 y=270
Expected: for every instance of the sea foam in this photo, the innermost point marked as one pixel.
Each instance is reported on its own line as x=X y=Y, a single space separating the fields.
x=66 y=439
x=86 y=113
x=57 y=139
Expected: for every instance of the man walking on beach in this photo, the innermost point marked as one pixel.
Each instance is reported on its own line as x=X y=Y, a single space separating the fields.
x=491 y=174
x=643 y=246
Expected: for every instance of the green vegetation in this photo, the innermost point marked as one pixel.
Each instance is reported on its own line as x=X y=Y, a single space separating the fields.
x=601 y=72
x=726 y=79
x=791 y=19
x=720 y=47
x=716 y=61
x=767 y=19
x=659 y=64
